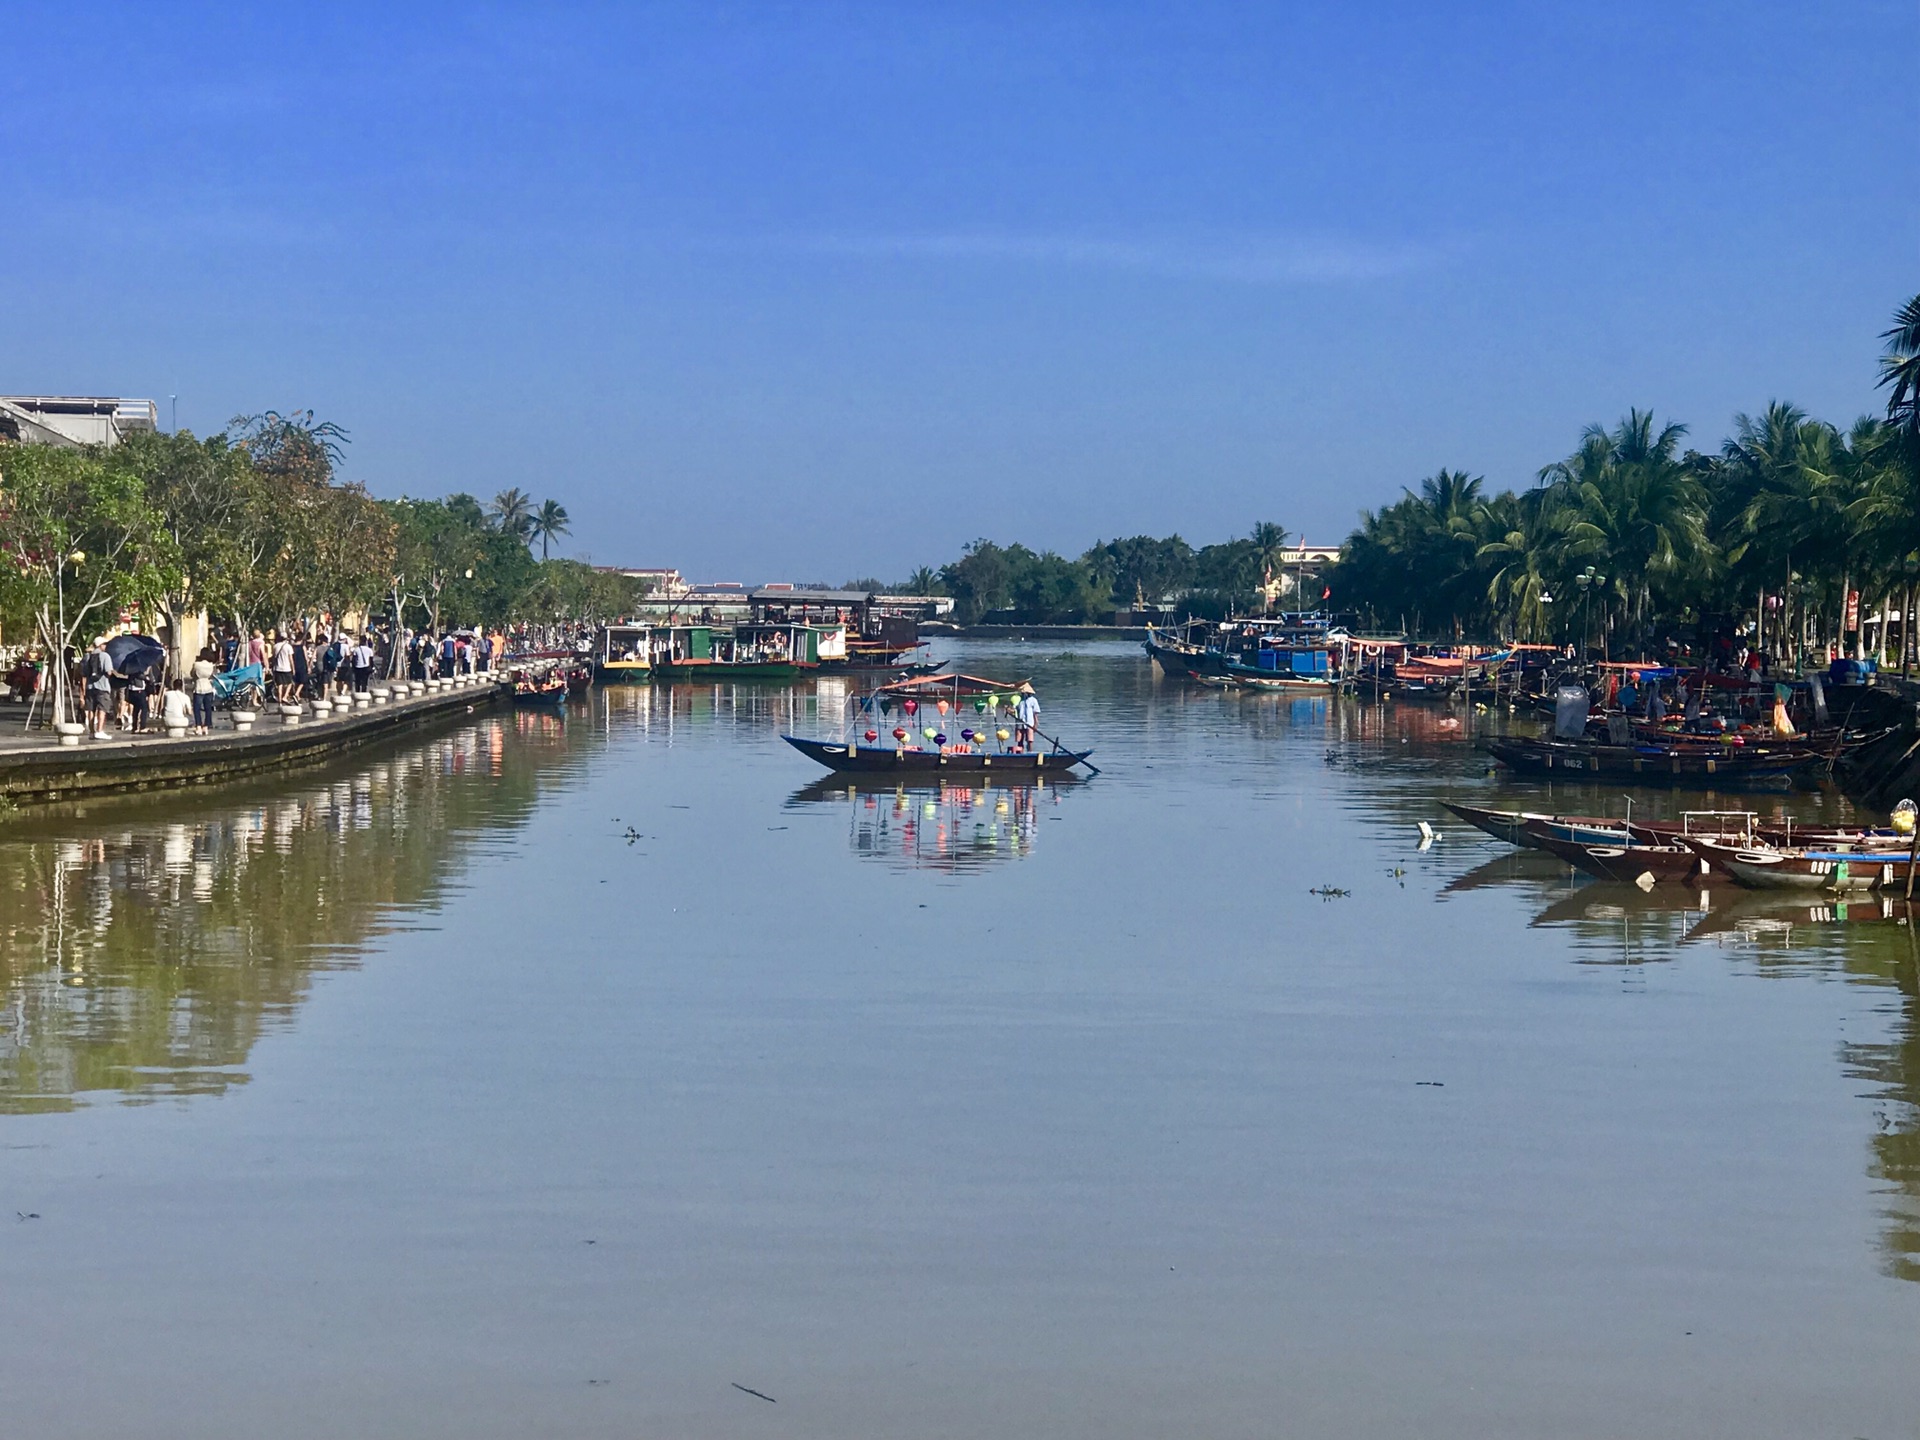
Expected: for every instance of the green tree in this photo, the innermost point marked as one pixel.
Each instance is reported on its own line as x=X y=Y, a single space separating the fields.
x=82 y=542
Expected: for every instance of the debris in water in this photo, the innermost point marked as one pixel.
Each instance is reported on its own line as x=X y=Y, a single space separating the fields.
x=755 y=1393
x=1329 y=892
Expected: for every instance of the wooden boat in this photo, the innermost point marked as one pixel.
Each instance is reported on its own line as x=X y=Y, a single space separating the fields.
x=1760 y=868
x=1754 y=766
x=745 y=652
x=928 y=706
x=1252 y=677
x=904 y=760
x=546 y=688
x=1511 y=825
x=1630 y=864
x=625 y=653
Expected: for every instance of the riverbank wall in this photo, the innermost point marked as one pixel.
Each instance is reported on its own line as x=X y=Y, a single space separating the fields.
x=1038 y=632
x=35 y=769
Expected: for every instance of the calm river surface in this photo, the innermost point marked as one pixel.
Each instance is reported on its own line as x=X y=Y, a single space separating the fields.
x=557 y=1079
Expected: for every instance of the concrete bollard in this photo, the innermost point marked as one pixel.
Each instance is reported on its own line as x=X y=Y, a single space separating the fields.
x=68 y=731
x=382 y=696
x=243 y=719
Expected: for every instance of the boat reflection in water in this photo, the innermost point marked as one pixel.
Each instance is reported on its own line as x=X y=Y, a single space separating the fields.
x=957 y=828
x=1866 y=939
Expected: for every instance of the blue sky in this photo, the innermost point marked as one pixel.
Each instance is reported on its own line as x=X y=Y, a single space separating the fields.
x=816 y=291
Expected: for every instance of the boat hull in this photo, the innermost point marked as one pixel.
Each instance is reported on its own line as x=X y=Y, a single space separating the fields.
x=1631 y=864
x=1573 y=760
x=890 y=760
x=623 y=672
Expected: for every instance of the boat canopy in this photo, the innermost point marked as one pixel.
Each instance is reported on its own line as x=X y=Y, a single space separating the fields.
x=949 y=685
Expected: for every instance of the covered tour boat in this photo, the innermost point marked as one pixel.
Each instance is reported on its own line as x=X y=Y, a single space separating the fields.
x=939 y=725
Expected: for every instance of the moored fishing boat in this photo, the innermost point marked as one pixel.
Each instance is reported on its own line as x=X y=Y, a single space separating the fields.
x=749 y=651
x=1807 y=869
x=1630 y=864
x=624 y=653
x=544 y=686
x=1727 y=766
x=1511 y=825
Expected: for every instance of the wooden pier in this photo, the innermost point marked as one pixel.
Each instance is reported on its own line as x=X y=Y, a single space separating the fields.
x=36 y=768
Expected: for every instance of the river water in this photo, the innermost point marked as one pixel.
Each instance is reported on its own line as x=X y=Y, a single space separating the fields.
x=562 y=1079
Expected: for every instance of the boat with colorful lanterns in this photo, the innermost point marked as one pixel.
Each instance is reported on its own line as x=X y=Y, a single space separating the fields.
x=940 y=725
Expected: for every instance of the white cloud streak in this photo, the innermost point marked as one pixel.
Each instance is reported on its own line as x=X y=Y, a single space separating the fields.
x=1246 y=259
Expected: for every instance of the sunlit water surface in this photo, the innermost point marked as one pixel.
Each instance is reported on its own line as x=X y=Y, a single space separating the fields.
x=546 y=1078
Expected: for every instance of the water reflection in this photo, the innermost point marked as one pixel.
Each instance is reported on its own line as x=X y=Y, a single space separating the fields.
x=145 y=946
x=956 y=828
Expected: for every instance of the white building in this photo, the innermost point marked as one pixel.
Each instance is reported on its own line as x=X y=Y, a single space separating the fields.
x=74 y=419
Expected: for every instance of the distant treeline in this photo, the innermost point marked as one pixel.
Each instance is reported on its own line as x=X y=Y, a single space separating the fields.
x=1046 y=588
x=1628 y=539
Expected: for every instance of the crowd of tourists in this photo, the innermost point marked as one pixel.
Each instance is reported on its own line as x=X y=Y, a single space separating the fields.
x=138 y=694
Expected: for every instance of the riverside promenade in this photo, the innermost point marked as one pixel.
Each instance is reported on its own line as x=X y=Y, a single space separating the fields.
x=35 y=768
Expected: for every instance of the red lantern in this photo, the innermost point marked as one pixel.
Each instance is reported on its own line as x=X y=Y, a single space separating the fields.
x=898 y=733
x=911 y=707
x=872 y=735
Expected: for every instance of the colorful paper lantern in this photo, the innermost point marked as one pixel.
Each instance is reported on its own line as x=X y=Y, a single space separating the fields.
x=910 y=706
x=940 y=739
x=872 y=735
x=942 y=706
x=1004 y=736
x=898 y=733
x=980 y=707
x=967 y=735
x=928 y=732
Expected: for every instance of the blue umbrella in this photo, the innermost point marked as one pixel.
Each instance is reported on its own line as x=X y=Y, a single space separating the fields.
x=136 y=654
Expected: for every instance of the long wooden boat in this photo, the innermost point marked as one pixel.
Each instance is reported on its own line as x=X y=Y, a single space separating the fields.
x=1254 y=677
x=1650 y=764
x=1630 y=864
x=1761 y=868
x=856 y=758
x=528 y=690
x=1511 y=825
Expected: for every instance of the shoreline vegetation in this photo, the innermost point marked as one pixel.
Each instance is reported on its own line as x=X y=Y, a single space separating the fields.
x=253 y=529
x=1800 y=534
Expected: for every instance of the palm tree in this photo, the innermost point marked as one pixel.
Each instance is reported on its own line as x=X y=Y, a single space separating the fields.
x=548 y=523
x=512 y=511
x=924 y=581
x=1635 y=510
x=1900 y=369
x=1269 y=552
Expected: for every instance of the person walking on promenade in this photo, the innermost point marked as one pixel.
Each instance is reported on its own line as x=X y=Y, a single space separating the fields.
x=204 y=669
x=449 y=654
x=329 y=665
x=97 y=671
x=257 y=650
x=138 y=682
x=302 y=667
x=283 y=668
x=1026 y=716
x=362 y=665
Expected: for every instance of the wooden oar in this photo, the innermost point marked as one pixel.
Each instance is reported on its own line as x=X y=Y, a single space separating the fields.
x=1091 y=767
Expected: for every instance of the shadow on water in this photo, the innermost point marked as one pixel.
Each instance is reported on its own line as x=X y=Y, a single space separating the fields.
x=146 y=944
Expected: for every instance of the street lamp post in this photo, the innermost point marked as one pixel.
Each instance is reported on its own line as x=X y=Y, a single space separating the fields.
x=1588 y=581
